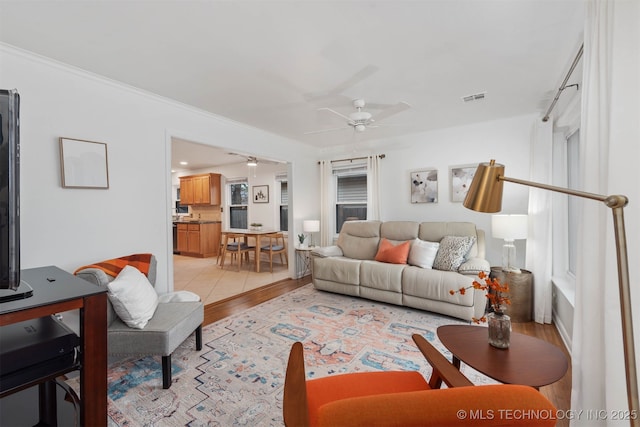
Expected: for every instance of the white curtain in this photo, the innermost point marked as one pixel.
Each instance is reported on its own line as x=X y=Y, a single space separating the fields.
x=539 y=236
x=327 y=203
x=599 y=381
x=373 y=187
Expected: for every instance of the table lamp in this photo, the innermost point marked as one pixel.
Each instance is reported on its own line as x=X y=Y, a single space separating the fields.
x=311 y=226
x=509 y=228
x=485 y=195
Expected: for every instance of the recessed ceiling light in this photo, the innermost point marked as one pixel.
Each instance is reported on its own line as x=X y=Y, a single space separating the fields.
x=183 y=163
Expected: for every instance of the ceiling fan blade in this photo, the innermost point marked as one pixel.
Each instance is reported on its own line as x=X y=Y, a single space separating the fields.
x=347 y=118
x=337 y=90
x=325 y=130
x=394 y=109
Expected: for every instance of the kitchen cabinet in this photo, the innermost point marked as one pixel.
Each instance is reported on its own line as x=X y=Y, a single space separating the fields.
x=199 y=239
x=202 y=189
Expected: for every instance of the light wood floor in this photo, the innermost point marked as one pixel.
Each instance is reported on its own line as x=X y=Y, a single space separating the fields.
x=204 y=277
x=559 y=393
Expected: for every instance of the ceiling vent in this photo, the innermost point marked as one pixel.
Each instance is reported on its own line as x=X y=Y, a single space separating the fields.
x=474 y=97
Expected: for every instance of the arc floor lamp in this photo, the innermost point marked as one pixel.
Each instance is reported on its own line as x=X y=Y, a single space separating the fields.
x=485 y=195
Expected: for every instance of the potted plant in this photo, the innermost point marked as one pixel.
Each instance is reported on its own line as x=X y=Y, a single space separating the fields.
x=498 y=295
x=256 y=226
x=301 y=238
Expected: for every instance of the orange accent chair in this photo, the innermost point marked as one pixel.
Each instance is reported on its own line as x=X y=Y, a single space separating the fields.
x=405 y=398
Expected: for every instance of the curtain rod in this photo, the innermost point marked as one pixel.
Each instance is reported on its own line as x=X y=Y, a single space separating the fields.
x=382 y=156
x=564 y=83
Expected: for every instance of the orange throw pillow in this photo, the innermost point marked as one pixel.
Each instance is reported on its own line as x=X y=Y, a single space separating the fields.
x=387 y=252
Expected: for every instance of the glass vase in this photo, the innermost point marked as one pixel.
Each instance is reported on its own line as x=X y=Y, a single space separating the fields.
x=499 y=329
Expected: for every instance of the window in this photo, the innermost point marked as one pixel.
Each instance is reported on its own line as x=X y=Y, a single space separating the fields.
x=351 y=196
x=284 y=206
x=573 y=162
x=238 y=202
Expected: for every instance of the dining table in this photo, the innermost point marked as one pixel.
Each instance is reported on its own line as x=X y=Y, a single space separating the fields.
x=247 y=233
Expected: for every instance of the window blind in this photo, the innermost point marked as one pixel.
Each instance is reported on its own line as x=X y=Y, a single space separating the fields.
x=352 y=188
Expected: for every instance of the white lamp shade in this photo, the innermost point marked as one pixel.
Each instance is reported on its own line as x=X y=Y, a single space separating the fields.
x=509 y=227
x=311 y=226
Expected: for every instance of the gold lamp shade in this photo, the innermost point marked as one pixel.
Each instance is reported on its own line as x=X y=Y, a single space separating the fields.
x=485 y=192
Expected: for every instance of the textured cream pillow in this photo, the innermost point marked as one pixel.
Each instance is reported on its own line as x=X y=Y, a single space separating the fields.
x=452 y=252
x=423 y=253
x=133 y=297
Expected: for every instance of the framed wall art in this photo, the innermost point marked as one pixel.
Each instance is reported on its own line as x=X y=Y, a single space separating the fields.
x=424 y=186
x=461 y=177
x=260 y=194
x=84 y=164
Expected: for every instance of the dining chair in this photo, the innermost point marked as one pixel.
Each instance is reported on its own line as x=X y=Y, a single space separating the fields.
x=236 y=245
x=276 y=246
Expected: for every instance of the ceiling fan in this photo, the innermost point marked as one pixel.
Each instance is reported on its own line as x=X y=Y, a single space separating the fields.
x=361 y=120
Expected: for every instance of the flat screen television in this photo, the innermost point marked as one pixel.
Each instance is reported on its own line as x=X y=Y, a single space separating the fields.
x=11 y=287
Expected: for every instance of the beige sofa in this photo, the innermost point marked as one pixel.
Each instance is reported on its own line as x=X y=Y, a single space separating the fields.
x=350 y=267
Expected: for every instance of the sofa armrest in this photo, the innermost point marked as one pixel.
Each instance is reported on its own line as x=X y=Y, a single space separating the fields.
x=473 y=266
x=327 y=251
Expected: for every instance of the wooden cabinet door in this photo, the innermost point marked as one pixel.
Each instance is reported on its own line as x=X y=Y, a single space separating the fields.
x=214 y=189
x=200 y=189
x=194 y=238
x=204 y=189
x=186 y=191
x=183 y=238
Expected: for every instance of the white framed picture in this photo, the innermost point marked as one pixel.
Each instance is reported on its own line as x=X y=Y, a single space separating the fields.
x=84 y=164
x=424 y=186
x=461 y=177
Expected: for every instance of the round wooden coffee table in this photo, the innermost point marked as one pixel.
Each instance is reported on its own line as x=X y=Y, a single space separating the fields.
x=528 y=360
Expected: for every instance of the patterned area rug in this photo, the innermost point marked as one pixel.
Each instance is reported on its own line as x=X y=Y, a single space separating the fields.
x=238 y=377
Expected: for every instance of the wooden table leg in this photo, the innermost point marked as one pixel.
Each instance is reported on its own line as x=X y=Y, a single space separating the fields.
x=257 y=255
x=223 y=256
x=93 y=357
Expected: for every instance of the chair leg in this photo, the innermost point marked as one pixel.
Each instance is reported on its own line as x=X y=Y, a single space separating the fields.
x=199 y=338
x=166 y=371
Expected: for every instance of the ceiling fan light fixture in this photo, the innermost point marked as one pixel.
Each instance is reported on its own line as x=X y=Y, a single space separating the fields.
x=252 y=161
x=360 y=127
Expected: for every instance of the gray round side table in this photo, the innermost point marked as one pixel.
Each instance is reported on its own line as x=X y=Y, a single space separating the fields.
x=520 y=293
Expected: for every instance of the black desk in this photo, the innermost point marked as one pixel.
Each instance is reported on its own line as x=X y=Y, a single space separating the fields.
x=56 y=291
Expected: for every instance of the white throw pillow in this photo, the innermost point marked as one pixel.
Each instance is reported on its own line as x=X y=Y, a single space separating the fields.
x=423 y=253
x=133 y=297
x=452 y=252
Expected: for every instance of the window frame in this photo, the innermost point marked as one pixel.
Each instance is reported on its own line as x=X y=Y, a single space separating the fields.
x=231 y=207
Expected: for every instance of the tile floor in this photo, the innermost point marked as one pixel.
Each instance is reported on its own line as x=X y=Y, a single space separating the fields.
x=204 y=277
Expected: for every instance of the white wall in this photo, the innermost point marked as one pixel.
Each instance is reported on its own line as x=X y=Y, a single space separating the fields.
x=505 y=140
x=73 y=227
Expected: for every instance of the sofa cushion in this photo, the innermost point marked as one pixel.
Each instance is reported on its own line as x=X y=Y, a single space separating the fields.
x=399 y=231
x=133 y=298
x=393 y=254
x=436 y=231
x=452 y=251
x=337 y=269
x=381 y=276
x=359 y=239
x=436 y=284
x=422 y=253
